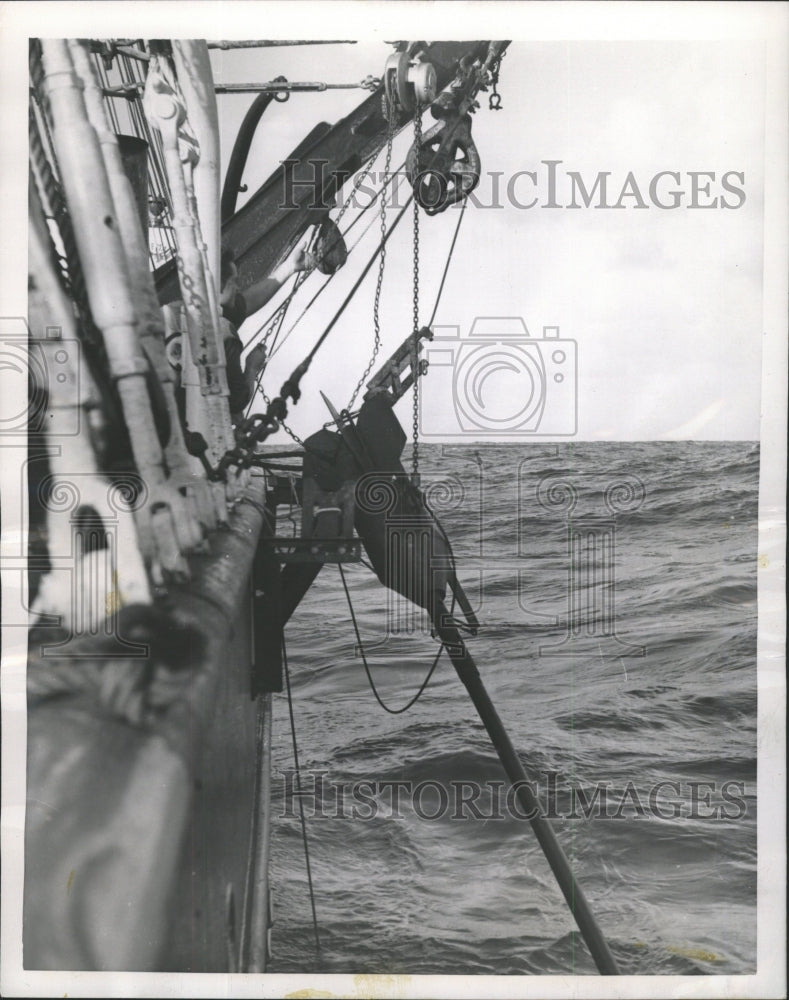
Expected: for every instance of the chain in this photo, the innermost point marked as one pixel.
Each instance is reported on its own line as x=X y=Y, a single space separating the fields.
x=382 y=259
x=291 y=434
x=278 y=315
x=361 y=176
x=494 y=101
x=415 y=362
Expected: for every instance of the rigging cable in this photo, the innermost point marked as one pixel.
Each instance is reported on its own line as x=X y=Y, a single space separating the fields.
x=373 y=688
x=301 y=798
x=277 y=408
x=322 y=288
x=282 y=305
x=449 y=258
x=358 y=282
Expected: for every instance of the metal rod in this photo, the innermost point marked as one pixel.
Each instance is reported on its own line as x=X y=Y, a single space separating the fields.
x=467 y=671
x=274 y=87
x=267 y=43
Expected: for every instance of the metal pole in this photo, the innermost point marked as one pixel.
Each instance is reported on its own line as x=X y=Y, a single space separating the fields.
x=275 y=87
x=263 y=43
x=467 y=671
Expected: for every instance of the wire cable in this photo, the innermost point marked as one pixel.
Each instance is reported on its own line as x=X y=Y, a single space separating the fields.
x=301 y=799
x=449 y=258
x=373 y=688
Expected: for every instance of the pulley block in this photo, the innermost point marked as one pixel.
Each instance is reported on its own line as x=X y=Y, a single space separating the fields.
x=409 y=81
x=330 y=249
x=444 y=167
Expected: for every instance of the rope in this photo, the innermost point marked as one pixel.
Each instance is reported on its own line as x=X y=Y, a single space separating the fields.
x=301 y=800
x=277 y=409
x=277 y=321
x=373 y=688
x=277 y=318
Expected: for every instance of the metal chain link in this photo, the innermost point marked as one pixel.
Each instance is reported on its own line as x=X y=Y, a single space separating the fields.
x=282 y=424
x=390 y=131
x=361 y=177
x=415 y=362
x=494 y=101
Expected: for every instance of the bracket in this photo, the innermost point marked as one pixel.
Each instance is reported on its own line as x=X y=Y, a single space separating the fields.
x=389 y=377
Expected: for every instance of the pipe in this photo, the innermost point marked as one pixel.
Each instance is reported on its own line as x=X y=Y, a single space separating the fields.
x=238 y=158
x=467 y=671
x=304 y=87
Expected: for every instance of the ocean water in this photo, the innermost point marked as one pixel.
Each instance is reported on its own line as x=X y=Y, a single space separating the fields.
x=618 y=643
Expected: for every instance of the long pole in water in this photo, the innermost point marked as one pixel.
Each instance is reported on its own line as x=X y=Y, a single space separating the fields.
x=467 y=671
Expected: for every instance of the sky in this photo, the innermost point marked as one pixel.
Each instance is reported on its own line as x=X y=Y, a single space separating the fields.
x=664 y=305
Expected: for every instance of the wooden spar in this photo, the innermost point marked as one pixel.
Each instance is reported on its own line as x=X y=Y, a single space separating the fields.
x=467 y=671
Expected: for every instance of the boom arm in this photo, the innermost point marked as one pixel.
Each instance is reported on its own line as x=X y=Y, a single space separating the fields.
x=301 y=191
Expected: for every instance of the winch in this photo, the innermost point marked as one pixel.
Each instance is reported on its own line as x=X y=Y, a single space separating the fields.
x=409 y=81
